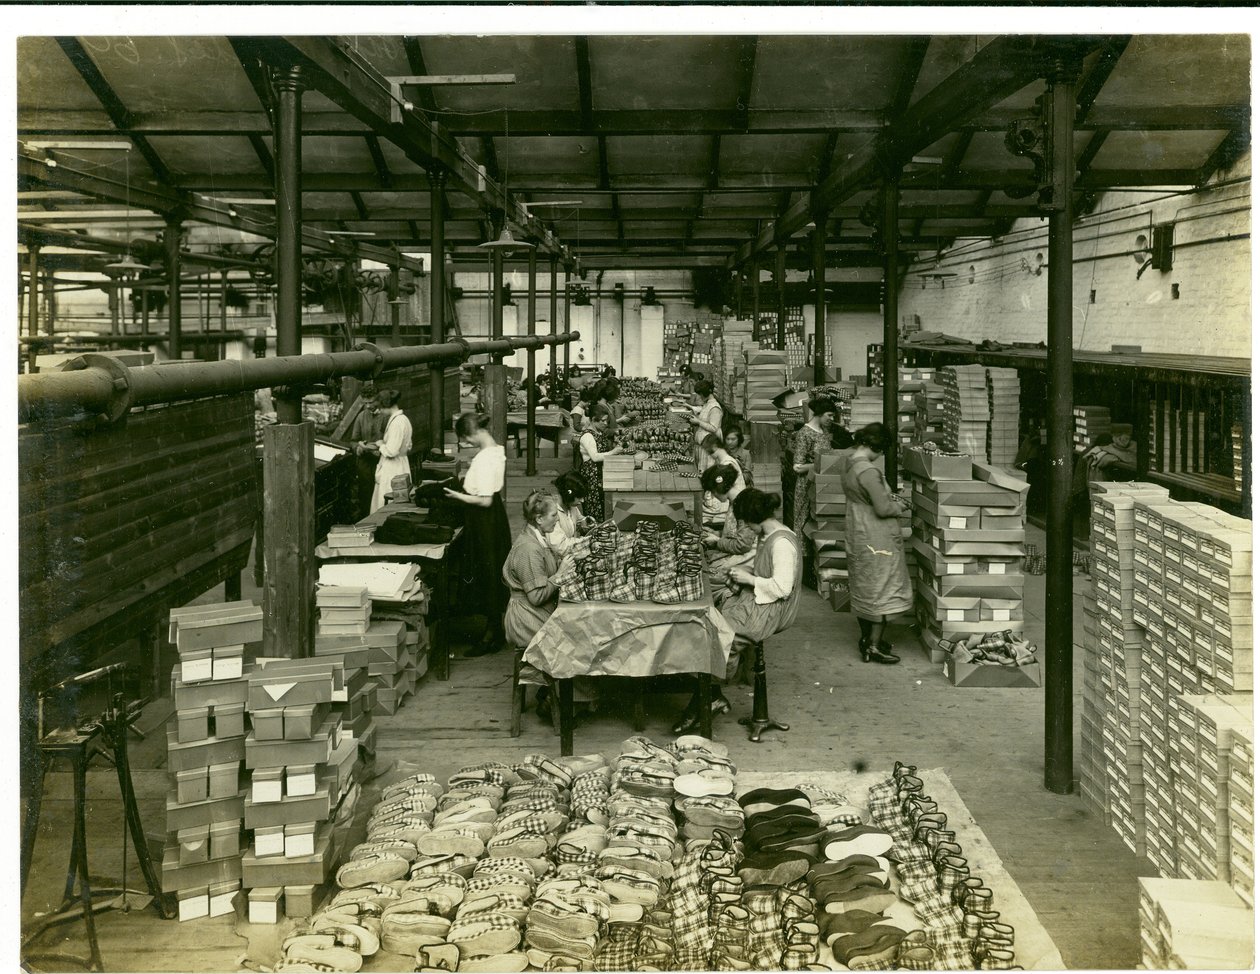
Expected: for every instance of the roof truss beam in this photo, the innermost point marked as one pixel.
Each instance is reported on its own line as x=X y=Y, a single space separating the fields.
x=537 y=122
x=114 y=108
x=192 y=207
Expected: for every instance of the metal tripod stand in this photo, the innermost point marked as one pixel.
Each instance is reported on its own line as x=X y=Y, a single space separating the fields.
x=77 y=745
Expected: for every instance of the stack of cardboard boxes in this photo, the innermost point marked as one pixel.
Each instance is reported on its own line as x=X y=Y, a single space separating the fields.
x=765 y=377
x=867 y=407
x=910 y=384
x=392 y=663
x=1167 y=687
x=1193 y=926
x=205 y=739
x=831 y=566
x=968 y=541
x=301 y=763
x=966 y=409
x=1087 y=423
x=1002 y=440
x=345 y=642
x=1202 y=756
x=929 y=413
x=1111 y=763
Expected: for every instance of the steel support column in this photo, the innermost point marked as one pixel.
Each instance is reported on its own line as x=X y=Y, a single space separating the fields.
x=780 y=287
x=820 y=300
x=174 y=291
x=1058 y=701
x=223 y=294
x=288 y=177
x=888 y=227
x=554 y=390
x=756 y=298
x=32 y=303
x=438 y=419
x=495 y=376
x=568 y=326
x=395 y=309
x=115 y=306
x=531 y=393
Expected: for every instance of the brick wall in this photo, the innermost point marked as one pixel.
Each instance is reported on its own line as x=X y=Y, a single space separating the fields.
x=997 y=293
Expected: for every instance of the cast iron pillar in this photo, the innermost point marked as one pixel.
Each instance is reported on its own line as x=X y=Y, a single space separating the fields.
x=32 y=304
x=568 y=327
x=780 y=281
x=288 y=170
x=820 y=300
x=438 y=420
x=756 y=298
x=223 y=297
x=395 y=309
x=554 y=390
x=891 y=248
x=495 y=376
x=531 y=393
x=1060 y=102
x=174 y=291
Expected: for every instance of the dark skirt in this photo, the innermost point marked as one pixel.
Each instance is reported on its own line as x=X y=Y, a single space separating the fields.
x=592 y=474
x=486 y=541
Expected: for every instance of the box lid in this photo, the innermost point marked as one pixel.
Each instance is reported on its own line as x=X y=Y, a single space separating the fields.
x=266 y=894
x=268 y=774
x=192 y=892
x=300 y=828
x=192 y=774
x=225 y=828
x=222 y=889
x=193 y=713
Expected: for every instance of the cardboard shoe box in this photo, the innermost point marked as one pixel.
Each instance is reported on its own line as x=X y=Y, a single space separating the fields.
x=264 y=904
x=267 y=724
x=229 y=720
x=279 y=754
x=224 y=780
x=301 y=723
x=201 y=754
x=192 y=725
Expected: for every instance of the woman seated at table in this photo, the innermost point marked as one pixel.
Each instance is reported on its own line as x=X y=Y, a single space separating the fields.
x=734 y=438
x=571 y=523
x=733 y=547
x=713 y=510
x=766 y=596
x=594 y=446
x=529 y=569
x=487 y=536
x=529 y=574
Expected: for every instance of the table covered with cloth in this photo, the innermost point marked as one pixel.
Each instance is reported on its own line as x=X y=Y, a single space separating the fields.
x=636 y=639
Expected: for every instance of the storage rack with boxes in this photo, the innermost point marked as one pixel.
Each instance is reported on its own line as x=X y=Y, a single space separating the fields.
x=1167 y=739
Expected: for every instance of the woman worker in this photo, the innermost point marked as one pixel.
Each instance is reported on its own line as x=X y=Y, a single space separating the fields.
x=713 y=510
x=709 y=421
x=487 y=536
x=529 y=569
x=811 y=439
x=594 y=445
x=879 y=582
x=766 y=596
x=571 y=523
x=733 y=548
x=393 y=447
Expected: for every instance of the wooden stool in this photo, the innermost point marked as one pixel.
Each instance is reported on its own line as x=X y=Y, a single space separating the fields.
x=518 y=696
x=518 y=690
x=760 y=719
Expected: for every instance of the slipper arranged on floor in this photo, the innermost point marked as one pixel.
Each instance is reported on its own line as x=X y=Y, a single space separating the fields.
x=866 y=840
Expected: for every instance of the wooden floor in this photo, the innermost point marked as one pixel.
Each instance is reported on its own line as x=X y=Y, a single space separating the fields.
x=844 y=714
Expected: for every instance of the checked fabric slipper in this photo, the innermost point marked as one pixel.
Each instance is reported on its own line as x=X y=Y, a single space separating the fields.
x=764 y=799
x=865 y=840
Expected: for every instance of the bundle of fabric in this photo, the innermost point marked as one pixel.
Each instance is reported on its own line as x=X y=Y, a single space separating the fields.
x=992 y=649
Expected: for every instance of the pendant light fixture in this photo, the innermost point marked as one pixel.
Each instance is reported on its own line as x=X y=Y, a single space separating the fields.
x=505 y=241
x=126 y=265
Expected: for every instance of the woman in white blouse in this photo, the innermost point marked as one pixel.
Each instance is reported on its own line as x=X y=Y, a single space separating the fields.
x=709 y=421
x=487 y=537
x=394 y=447
x=766 y=596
